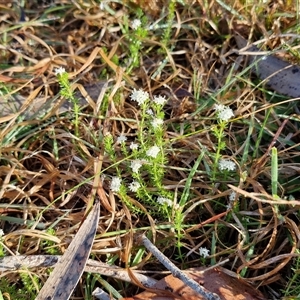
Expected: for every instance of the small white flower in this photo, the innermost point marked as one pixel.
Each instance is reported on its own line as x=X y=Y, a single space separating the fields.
x=232 y=196
x=219 y=107
x=136 y=23
x=115 y=184
x=135 y=165
x=153 y=151
x=1 y=233
x=134 y=186
x=139 y=96
x=225 y=113
x=161 y=100
x=229 y=206
x=150 y=112
x=163 y=200
x=226 y=164
x=133 y=146
x=59 y=71
x=121 y=139
x=156 y=122
x=101 y=5
x=203 y=252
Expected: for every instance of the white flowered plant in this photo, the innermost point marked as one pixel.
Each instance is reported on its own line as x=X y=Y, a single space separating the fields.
x=153 y=151
x=121 y=139
x=203 y=252
x=160 y=100
x=157 y=122
x=59 y=71
x=115 y=184
x=224 y=113
x=226 y=165
x=146 y=156
x=133 y=146
x=134 y=186
x=150 y=112
x=135 y=165
x=135 y=32
x=67 y=92
x=135 y=24
x=164 y=201
x=139 y=96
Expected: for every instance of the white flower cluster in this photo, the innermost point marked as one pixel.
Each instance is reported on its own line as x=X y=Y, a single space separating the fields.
x=157 y=122
x=115 y=184
x=133 y=146
x=160 y=100
x=150 y=112
x=203 y=252
x=121 y=139
x=135 y=165
x=226 y=165
x=139 y=96
x=153 y=151
x=59 y=71
x=163 y=200
x=225 y=113
x=135 y=24
x=134 y=186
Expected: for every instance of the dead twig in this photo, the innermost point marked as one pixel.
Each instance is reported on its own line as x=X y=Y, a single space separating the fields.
x=176 y=272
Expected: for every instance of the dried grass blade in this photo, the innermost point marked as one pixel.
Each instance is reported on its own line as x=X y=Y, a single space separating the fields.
x=69 y=269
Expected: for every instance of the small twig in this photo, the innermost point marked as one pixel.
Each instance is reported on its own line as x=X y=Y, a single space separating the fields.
x=176 y=272
x=16 y=262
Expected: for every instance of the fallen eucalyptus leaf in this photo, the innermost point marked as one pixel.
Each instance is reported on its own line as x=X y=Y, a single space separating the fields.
x=67 y=272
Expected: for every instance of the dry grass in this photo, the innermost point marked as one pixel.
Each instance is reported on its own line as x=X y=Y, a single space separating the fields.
x=47 y=173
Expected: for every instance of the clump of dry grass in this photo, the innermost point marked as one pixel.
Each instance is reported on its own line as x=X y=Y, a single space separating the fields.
x=49 y=174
